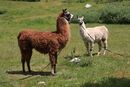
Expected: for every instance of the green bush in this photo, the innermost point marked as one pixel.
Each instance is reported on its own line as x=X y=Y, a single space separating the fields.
x=27 y=0
x=116 y=13
x=72 y=1
x=107 y=1
x=90 y=16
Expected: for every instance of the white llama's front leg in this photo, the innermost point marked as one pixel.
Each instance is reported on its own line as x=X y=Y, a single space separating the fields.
x=87 y=47
x=91 y=48
x=100 y=48
x=105 y=46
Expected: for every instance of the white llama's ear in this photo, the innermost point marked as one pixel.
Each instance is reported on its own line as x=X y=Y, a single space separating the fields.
x=77 y=16
x=82 y=17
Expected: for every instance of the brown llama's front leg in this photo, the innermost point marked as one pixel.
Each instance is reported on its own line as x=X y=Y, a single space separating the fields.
x=23 y=63
x=28 y=59
x=23 y=59
x=53 y=60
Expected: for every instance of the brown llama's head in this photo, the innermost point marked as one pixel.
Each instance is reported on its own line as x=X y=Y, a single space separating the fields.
x=66 y=14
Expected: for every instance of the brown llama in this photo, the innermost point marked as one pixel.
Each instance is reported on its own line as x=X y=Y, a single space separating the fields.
x=45 y=42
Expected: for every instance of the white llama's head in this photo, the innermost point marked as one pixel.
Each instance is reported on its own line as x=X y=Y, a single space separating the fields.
x=80 y=20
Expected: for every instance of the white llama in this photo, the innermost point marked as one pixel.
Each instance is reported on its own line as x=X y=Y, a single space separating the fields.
x=93 y=35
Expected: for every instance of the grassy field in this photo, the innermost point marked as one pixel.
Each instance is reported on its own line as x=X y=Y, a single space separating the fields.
x=111 y=70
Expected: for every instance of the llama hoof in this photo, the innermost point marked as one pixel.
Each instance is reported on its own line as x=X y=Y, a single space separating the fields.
x=104 y=53
x=91 y=55
x=30 y=71
x=23 y=71
x=98 y=54
x=53 y=74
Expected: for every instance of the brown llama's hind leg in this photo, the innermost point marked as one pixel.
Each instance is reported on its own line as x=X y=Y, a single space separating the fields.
x=26 y=56
x=53 y=60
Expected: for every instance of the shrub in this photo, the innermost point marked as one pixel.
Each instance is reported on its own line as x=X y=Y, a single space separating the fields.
x=90 y=16
x=27 y=0
x=116 y=13
x=72 y=1
x=106 y=1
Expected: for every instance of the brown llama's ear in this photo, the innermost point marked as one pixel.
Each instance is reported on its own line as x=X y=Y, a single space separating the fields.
x=64 y=10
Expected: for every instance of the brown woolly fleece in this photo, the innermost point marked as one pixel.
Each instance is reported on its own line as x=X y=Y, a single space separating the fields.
x=44 y=42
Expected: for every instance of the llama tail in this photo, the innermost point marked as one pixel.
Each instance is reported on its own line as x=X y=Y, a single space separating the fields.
x=106 y=29
x=18 y=36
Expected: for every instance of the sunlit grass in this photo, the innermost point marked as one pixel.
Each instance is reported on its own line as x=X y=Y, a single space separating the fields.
x=110 y=70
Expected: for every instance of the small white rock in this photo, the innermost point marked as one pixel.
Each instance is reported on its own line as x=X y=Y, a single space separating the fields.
x=88 y=5
x=128 y=62
x=76 y=60
x=41 y=83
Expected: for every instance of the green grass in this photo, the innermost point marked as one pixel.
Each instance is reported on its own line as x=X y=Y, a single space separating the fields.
x=110 y=70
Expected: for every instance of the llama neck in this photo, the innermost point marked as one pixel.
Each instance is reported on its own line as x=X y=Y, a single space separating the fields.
x=60 y=15
x=83 y=27
x=85 y=31
x=63 y=27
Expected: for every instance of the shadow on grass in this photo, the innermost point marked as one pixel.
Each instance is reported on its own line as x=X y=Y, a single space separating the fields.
x=94 y=54
x=110 y=82
x=87 y=55
x=71 y=57
x=33 y=73
x=86 y=60
x=3 y=12
x=85 y=64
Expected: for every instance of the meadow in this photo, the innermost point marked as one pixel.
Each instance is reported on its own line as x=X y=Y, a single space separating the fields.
x=110 y=70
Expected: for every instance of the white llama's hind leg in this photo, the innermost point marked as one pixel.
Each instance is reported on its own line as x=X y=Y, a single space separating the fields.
x=105 y=46
x=100 y=47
